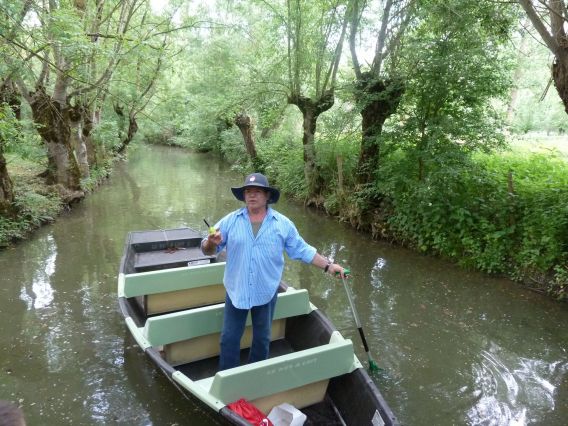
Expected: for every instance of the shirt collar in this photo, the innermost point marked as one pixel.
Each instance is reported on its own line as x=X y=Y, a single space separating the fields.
x=269 y=213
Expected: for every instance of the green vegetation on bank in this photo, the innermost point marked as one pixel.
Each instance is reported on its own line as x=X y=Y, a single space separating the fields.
x=504 y=212
x=501 y=213
x=36 y=203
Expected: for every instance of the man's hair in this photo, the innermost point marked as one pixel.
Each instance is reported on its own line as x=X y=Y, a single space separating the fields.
x=11 y=414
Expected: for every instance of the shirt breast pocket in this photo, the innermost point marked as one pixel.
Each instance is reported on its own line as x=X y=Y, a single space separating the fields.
x=272 y=241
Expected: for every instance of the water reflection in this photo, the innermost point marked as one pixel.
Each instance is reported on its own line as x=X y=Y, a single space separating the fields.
x=377 y=272
x=41 y=291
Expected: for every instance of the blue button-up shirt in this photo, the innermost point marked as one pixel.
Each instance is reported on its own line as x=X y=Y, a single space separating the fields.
x=255 y=264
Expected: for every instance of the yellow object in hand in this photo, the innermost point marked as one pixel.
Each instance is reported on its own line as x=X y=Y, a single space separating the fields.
x=212 y=229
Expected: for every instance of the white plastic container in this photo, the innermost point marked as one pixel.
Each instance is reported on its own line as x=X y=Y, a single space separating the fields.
x=286 y=415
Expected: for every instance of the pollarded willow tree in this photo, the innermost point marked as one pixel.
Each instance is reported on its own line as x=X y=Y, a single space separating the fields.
x=133 y=85
x=62 y=57
x=379 y=86
x=217 y=88
x=233 y=78
x=59 y=66
x=315 y=33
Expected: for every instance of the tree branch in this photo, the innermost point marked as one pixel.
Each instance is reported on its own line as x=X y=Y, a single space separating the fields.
x=538 y=24
x=355 y=16
x=378 y=59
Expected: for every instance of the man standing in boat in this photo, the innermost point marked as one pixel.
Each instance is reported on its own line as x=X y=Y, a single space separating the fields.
x=256 y=237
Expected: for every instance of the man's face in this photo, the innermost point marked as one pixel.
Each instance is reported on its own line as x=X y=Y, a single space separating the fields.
x=256 y=197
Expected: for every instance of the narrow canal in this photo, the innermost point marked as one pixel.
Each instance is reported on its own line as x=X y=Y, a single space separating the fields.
x=456 y=347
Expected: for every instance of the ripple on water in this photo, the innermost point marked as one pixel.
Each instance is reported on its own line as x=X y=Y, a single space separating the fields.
x=507 y=387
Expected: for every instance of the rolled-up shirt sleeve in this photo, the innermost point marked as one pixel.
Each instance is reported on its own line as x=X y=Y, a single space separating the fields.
x=296 y=248
x=255 y=263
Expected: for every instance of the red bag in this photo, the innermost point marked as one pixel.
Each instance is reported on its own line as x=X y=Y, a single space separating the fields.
x=249 y=412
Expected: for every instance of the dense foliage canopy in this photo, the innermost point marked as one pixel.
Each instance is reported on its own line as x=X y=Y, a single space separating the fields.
x=394 y=115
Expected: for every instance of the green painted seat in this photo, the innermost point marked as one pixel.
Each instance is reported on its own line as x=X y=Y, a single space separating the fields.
x=170 y=290
x=299 y=378
x=189 y=324
x=166 y=280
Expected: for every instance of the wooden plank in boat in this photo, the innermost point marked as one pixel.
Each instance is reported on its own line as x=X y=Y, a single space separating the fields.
x=183 y=325
x=152 y=282
x=274 y=375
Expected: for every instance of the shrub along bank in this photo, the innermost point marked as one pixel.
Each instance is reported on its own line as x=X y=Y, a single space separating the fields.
x=503 y=213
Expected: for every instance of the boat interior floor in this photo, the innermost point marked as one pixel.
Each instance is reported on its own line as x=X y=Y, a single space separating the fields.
x=318 y=414
x=323 y=413
x=204 y=368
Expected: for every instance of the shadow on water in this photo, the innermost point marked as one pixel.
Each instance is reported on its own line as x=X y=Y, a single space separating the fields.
x=456 y=347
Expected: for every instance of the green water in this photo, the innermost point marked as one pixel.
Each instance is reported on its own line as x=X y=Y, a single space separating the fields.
x=457 y=348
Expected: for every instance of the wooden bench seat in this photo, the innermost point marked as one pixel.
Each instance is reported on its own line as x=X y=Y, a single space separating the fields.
x=299 y=378
x=171 y=290
x=192 y=335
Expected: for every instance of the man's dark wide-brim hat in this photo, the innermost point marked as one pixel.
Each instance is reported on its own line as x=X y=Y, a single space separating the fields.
x=256 y=180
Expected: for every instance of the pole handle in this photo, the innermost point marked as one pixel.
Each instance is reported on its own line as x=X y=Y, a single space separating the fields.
x=353 y=310
x=363 y=339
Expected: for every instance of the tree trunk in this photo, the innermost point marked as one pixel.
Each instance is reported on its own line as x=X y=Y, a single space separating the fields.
x=310 y=111
x=9 y=95
x=378 y=100
x=89 y=123
x=55 y=129
x=521 y=53
x=131 y=132
x=311 y=170
x=77 y=135
x=6 y=188
x=244 y=123
x=550 y=24
x=125 y=137
x=560 y=76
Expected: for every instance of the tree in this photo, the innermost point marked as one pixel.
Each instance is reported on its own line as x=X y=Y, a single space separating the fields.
x=549 y=19
x=459 y=68
x=379 y=88
x=6 y=186
x=230 y=82
x=10 y=101
x=245 y=124
x=134 y=92
x=63 y=60
x=315 y=33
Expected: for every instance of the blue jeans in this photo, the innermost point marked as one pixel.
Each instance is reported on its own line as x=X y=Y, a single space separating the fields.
x=234 y=321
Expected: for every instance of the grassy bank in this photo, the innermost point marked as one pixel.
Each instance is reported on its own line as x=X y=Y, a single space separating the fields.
x=36 y=202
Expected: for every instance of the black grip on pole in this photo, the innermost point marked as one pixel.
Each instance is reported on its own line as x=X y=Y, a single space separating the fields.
x=363 y=339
